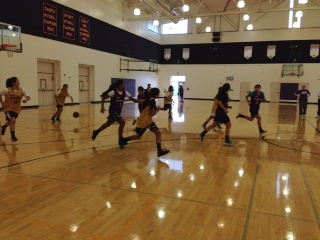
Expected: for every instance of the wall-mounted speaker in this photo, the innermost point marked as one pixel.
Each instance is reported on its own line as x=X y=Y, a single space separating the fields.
x=216 y=36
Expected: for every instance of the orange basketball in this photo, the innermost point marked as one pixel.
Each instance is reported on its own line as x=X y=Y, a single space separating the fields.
x=76 y=114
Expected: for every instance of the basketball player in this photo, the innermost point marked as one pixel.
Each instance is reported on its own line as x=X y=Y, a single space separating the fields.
x=117 y=94
x=303 y=94
x=145 y=122
x=168 y=100
x=142 y=95
x=12 y=104
x=60 y=97
x=221 y=114
x=318 y=112
x=254 y=99
x=213 y=111
x=149 y=87
x=181 y=91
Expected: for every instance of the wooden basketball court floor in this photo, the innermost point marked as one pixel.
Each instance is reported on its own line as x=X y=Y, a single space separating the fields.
x=56 y=183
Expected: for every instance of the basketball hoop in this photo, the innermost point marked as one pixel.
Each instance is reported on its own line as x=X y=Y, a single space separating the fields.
x=9 y=48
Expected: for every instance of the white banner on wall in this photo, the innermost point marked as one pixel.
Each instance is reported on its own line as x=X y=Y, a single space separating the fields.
x=314 y=50
x=248 y=52
x=185 y=53
x=271 y=51
x=167 y=53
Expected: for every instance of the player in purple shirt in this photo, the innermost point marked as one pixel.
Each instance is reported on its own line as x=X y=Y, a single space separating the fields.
x=221 y=114
x=117 y=94
x=303 y=94
x=254 y=99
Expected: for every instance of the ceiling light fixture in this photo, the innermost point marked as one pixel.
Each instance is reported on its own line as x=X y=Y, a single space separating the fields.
x=198 y=20
x=137 y=11
x=303 y=1
x=156 y=22
x=241 y=4
x=208 y=29
x=246 y=17
x=299 y=14
x=185 y=8
x=250 y=27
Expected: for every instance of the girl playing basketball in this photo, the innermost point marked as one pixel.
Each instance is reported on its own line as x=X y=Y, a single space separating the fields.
x=145 y=122
x=254 y=99
x=12 y=104
x=221 y=114
x=213 y=111
x=60 y=97
x=117 y=94
x=168 y=101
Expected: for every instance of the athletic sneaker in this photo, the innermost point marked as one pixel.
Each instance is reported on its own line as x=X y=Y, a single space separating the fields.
x=3 y=129
x=229 y=143
x=53 y=119
x=14 y=139
x=204 y=126
x=94 y=134
x=219 y=126
x=201 y=136
x=240 y=115
x=122 y=143
x=58 y=120
x=262 y=131
x=134 y=122
x=163 y=152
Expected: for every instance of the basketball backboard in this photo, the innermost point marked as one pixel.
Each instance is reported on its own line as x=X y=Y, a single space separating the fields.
x=10 y=35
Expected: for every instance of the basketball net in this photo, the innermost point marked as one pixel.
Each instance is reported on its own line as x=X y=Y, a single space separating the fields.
x=9 y=48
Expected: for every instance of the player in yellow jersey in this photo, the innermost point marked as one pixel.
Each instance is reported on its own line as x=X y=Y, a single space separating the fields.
x=12 y=104
x=145 y=122
x=213 y=112
x=60 y=97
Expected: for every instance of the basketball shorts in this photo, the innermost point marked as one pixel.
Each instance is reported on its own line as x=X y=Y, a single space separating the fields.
x=11 y=114
x=113 y=117
x=254 y=113
x=167 y=106
x=152 y=127
x=59 y=106
x=222 y=119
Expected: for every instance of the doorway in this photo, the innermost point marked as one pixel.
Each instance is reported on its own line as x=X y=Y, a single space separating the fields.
x=84 y=83
x=46 y=81
x=175 y=82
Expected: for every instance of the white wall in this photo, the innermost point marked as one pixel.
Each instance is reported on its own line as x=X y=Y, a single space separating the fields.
x=107 y=66
x=204 y=80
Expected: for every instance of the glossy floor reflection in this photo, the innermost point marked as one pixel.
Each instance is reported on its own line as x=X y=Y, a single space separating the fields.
x=56 y=183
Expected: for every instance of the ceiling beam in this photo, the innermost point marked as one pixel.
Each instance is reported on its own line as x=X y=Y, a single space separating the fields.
x=204 y=24
x=226 y=6
x=231 y=23
x=223 y=13
x=200 y=5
